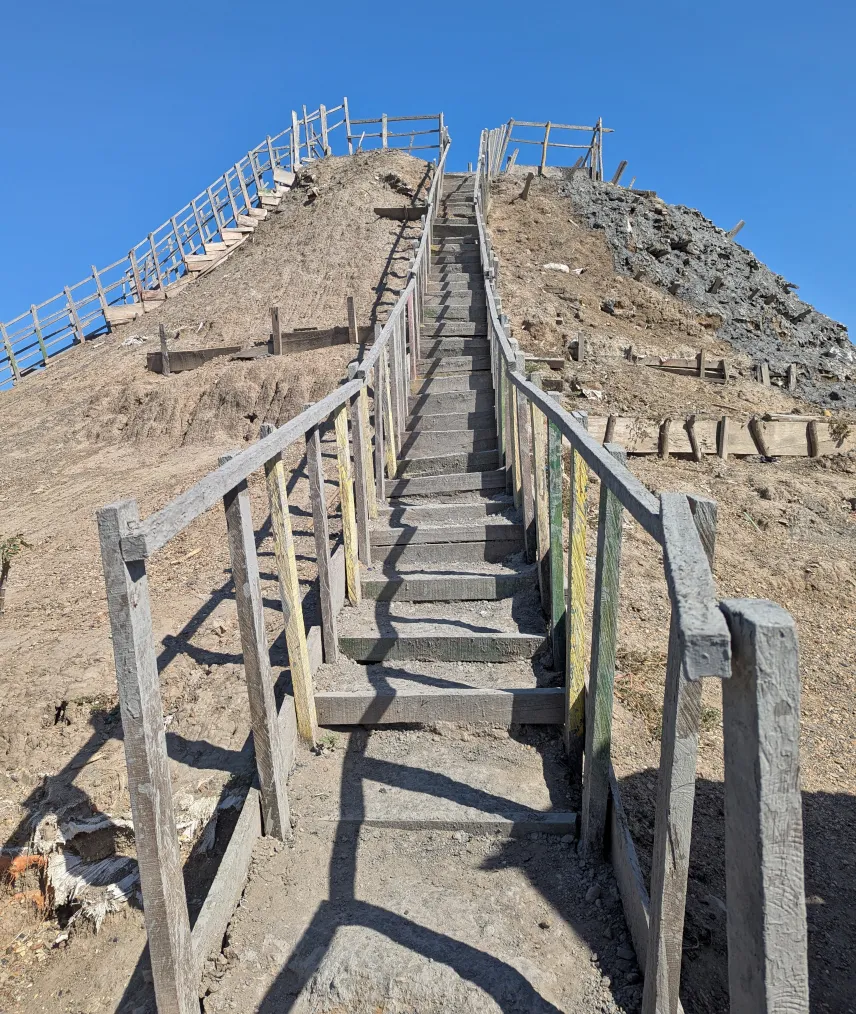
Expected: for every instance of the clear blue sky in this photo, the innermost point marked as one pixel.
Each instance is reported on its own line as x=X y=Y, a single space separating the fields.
x=114 y=115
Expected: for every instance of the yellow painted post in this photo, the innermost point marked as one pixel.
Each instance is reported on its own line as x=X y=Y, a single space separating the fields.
x=389 y=436
x=349 y=514
x=575 y=669
x=371 y=492
x=289 y=593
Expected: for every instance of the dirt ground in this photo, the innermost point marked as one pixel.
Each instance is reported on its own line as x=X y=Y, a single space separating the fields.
x=786 y=531
x=96 y=427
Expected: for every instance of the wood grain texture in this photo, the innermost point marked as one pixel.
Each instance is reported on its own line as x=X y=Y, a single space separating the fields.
x=575 y=665
x=315 y=472
x=598 y=724
x=158 y=854
x=674 y=813
x=557 y=557
x=256 y=657
x=767 y=945
x=542 y=509
x=289 y=593
x=346 y=500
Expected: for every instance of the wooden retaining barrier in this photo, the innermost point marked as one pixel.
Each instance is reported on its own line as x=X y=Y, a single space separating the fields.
x=750 y=645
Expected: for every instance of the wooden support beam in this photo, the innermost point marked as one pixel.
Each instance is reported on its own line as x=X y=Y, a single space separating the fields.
x=13 y=362
x=674 y=813
x=689 y=426
x=290 y=597
x=77 y=327
x=318 y=499
x=371 y=492
x=792 y=377
x=353 y=335
x=544 y=147
x=813 y=439
x=362 y=475
x=575 y=665
x=733 y=232
x=346 y=501
x=275 y=331
x=379 y=423
x=663 y=438
x=165 y=370
x=149 y=786
x=765 y=890
x=557 y=559
x=254 y=645
x=604 y=641
x=542 y=509
x=37 y=330
x=756 y=429
x=722 y=435
x=390 y=428
x=616 y=176
x=524 y=443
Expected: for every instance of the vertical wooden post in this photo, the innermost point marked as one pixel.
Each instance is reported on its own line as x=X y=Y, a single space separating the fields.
x=254 y=646
x=348 y=125
x=242 y=183
x=38 y=332
x=362 y=474
x=295 y=141
x=371 y=496
x=353 y=333
x=275 y=331
x=290 y=597
x=524 y=443
x=346 y=500
x=271 y=159
x=315 y=471
x=813 y=439
x=413 y=313
x=13 y=362
x=156 y=262
x=394 y=390
x=542 y=511
x=72 y=312
x=308 y=133
x=215 y=211
x=383 y=130
x=392 y=437
x=379 y=456
x=544 y=147
x=324 y=142
x=767 y=946
x=575 y=665
x=102 y=299
x=254 y=169
x=722 y=435
x=557 y=558
x=232 y=202
x=200 y=225
x=515 y=439
x=135 y=272
x=674 y=814
x=598 y=723
x=165 y=370
x=158 y=853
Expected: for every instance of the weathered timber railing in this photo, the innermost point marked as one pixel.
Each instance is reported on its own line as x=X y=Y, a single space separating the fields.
x=181 y=246
x=498 y=140
x=178 y=953
x=750 y=645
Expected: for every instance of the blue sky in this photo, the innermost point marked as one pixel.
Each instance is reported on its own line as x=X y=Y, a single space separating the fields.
x=114 y=115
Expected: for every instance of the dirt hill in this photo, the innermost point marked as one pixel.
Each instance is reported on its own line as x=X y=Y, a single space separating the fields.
x=786 y=528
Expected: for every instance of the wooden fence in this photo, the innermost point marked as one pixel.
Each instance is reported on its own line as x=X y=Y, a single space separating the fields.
x=178 y=953
x=750 y=645
x=172 y=252
x=499 y=139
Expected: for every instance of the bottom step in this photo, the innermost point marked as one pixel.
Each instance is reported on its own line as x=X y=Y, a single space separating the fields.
x=529 y=706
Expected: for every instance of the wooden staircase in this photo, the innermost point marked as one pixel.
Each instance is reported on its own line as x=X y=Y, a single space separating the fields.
x=450 y=627
x=214 y=252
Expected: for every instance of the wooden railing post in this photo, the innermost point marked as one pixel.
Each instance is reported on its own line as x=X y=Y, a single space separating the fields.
x=542 y=509
x=156 y=836
x=254 y=645
x=598 y=719
x=371 y=493
x=77 y=327
x=361 y=475
x=318 y=499
x=675 y=798
x=289 y=594
x=379 y=421
x=13 y=362
x=524 y=443
x=346 y=501
x=575 y=664
x=392 y=437
x=557 y=559
x=765 y=894
x=275 y=331
x=38 y=332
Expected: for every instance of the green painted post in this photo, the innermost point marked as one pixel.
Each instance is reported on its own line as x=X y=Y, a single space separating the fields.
x=557 y=559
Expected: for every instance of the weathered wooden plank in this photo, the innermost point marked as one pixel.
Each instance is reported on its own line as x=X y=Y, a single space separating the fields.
x=362 y=479
x=289 y=593
x=392 y=439
x=628 y=875
x=598 y=723
x=256 y=657
x=557 y=559
x=181 y=361
x=351 y=310
x=541 y=706
x=524 y=444
x=410 y=213
x=275 y=331
x=315 y=472
x=228 y=885
x=575 y=665
x=147 y=537
x=542 y=511
x=441 y=646
x=703 y=637
x=346 y=501
x=158 y=854
x=379 y=417
x=321 y=338
x=767 y=946
x=371 y=492
x=674 y=813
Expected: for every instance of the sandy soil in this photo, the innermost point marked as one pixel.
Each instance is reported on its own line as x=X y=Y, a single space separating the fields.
x=786 y=531
x=96 y=427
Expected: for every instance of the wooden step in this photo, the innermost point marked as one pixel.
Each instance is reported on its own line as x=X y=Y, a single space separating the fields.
x=248 y=222
x=460 y=586
x=260 y=214
x=438 y=404
x=447 y=464
x=454 y=329
x=199 y=262
x=498 y=529
x=441 y=422
x=153 y=295
x=453 y=513
x=530 y=706
x=439 y=365
x=237 y=234
x=123 y=313
x=426 y=485
x=434 y=642
x=212 y=249
x=441 y=347
x=442 y=229
x=269 y=201
x=457 y=554
x=473 y=313
x=284 y=177
x=455 y=383
x=443 y=442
